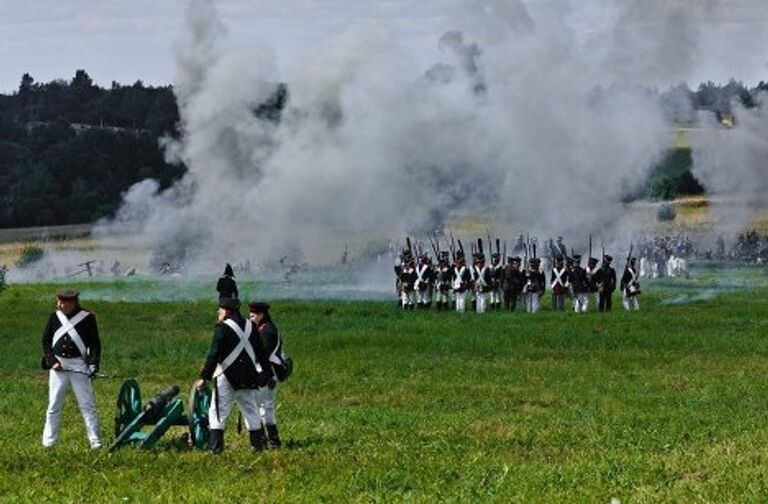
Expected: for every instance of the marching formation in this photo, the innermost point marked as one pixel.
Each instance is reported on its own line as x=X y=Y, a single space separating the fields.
x=484 y=284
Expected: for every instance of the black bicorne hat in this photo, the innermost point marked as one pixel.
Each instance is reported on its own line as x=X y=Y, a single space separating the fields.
x=258 y=307
x=67 y=293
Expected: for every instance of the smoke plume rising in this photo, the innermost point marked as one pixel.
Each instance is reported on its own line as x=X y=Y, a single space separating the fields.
x=523 y=114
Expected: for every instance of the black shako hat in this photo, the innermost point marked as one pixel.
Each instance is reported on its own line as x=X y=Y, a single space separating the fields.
x=67 y=293
x=229 y=303
x=607 y=258
x=258 y=307
x=228 y=270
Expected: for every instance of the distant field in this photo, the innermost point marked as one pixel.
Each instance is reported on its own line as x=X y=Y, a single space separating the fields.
x=663 y=405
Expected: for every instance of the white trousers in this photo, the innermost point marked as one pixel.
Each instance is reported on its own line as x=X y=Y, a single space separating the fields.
x=406 y=298
x=424 y=296
x=580 y=302
x=265 y=398
x=532 y=302
x=630 y=302
x=461 y=301
x=443 y=296
x=480 y=300
x=495 y=297
x=58 y=385
x=227 y=395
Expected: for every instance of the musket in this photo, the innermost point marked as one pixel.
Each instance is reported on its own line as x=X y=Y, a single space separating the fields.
x=480 y=245
x=408 y=242
x=504 y=255
x=629 y=256
x=85 y=373
x=435 y=247
x=498 y=246
x=590 y=247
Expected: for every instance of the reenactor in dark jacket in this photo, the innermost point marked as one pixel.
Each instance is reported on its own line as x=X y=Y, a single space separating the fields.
x=226 y=286
x=408 y=279
x=443 y=282
x=535 y=286
x=496 y=273
x=425 y=277
x=579 y=286
x=512 y=282
x=591 y=271
x=265 y=396
x=606 y=284
x=462 y=282
x=72 y=352
x=238 y=364
x=559 y=283
x=630 y=286
x=483 y=282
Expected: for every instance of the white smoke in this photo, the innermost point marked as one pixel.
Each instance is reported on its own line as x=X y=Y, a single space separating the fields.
x=732 y=163
x=524 y=114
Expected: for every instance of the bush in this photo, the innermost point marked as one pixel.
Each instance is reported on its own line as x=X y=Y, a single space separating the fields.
x=666 y=212
x=30 y=254
x=3 y=284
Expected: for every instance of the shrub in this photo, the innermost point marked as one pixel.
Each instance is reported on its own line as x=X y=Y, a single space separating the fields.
x=30 y=254
x=666 y=212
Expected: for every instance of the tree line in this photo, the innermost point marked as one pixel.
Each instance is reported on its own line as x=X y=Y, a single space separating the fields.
x=69 y=149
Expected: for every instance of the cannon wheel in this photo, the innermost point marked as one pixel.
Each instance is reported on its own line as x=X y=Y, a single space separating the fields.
x=128 y=405
x=199 y=401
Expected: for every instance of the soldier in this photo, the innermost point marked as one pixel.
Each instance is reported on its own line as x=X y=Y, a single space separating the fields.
x=606 y=284
x=630 y=287
x=535 y=286
x=238 y=365
x=226 y=285
x=559 y=284
x=512 y=282
x=273 y=345
x=462 y=281
x=408 y=279
x=481 y=276
x=579 y=286
x=444 y=281
x=496 y=274
x=424 y=282
x=591 y=270
x=72 y=352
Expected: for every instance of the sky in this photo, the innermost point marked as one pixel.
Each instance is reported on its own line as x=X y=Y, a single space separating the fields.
x=127 y=40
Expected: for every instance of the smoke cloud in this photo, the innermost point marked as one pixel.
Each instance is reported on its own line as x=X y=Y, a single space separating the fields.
x=528 y=113
x=732 y=163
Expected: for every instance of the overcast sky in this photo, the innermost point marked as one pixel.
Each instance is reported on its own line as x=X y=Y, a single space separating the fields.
x=126 y=40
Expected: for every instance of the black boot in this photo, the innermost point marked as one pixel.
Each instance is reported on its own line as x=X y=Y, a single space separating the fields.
x=216 y=440
x=258 y=440
x=274 y=437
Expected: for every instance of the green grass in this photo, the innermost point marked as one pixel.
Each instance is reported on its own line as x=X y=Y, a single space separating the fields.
x=664 y=405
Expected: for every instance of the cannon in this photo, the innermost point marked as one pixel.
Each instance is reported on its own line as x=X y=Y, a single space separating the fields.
x=160 y=413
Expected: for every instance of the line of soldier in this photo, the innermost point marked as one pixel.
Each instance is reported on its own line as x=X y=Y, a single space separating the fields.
x=492 y=286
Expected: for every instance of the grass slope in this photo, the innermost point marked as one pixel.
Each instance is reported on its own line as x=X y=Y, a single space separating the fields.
x=667 y=404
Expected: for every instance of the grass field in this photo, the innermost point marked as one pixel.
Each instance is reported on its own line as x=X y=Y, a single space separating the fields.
x=669 y=404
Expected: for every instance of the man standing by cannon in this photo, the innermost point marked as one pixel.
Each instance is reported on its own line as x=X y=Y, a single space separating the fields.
x=238 y=364
x=71 y=351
